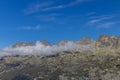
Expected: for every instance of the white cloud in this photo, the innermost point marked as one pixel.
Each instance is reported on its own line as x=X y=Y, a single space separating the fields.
x=33 y=8
x=38 y=27
x=43 y=50
x=53 y=17
x=39 y=49
x=105 y=21
x=45 y=6
x=107 y=25
x=53 y=8
x=75 y=2
x=100 y=19
x=4 y=53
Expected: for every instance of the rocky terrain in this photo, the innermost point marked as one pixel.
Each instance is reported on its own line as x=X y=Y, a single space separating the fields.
x=93 y=60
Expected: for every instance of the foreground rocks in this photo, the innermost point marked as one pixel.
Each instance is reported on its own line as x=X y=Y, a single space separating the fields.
x=67 y=65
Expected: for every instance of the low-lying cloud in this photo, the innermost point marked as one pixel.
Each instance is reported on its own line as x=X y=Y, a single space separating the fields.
x=44 y=50
x=38 y=49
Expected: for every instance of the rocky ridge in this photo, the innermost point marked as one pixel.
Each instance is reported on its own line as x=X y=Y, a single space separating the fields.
x=99 y=61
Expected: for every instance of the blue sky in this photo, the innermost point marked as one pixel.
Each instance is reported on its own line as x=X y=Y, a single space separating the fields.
x=55 y=20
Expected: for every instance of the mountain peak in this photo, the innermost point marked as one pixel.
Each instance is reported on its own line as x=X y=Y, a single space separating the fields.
x=63 y=42
x=106 y=41
x=85 y=41
x=46 y=43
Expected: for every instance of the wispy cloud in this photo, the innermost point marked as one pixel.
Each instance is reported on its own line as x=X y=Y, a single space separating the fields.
x=35 y=7
x=102 y=21
x=38 y=27
x=107 y=25
x=75 y=2
x=48 y=17
x=47 y=5
x=90 y=13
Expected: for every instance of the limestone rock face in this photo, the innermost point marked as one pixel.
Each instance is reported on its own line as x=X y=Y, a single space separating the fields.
x=111 y=42
x=23 y=44
x=86 y=44
x=85 y=41
x=46 y=43
x=62 y=42
x=104 y=42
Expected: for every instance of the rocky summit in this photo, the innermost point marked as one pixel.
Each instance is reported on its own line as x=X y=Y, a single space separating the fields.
x=93 y=60
x=105 y=41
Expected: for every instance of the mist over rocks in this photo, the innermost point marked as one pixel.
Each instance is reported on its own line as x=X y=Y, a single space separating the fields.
x=21 y=44
x=41 y=49
x=44 y=48
x=4 y=53
x=85 y=59
x=46 y=43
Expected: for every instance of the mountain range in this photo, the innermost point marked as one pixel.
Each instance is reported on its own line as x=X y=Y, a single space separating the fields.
x=104 y=42
x=85 y=59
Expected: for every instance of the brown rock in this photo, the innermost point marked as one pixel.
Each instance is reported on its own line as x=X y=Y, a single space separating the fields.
x=46 y=43
x=106 y=41
x=23 y=44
